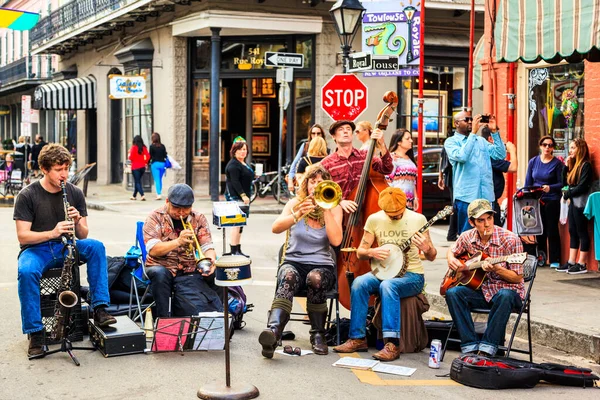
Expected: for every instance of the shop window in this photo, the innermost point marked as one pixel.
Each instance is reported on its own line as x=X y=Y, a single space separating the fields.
x=201 y=117
x=138 y=112
x=305 y=46
x=555 y=106
x=303 y=117
x=444 y=94
x=66 y=132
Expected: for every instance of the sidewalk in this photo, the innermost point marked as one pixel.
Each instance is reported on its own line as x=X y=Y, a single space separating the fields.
x=564 y=316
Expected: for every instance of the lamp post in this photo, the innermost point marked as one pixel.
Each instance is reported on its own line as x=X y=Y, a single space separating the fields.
x=346 y=15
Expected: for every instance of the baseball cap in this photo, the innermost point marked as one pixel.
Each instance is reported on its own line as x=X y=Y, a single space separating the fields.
x=479 y=207
x=181 y=195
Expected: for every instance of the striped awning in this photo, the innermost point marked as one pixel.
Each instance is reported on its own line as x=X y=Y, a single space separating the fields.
x=70 y=94
x=477 y=68
x=551 y=30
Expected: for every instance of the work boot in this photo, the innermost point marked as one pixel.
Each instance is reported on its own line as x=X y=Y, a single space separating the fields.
x=270 y=338
x=390 y=352
x=237 y=251
x=317 y=332
x=352 y=345
x=37 y=348
x=102 y=318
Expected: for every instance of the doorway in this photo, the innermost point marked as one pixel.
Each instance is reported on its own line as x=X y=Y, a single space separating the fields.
x=116 y=139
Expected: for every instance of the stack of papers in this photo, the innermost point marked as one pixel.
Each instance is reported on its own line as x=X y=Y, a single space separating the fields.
x=373 y=365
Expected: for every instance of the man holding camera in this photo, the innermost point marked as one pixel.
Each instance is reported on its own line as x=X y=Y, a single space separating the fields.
x=470 y=156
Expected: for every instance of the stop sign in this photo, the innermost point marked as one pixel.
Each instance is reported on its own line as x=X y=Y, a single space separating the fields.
x=344 y=96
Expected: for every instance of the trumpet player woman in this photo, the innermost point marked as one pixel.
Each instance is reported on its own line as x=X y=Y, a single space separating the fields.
x=41 y=223
x=178 y=242
x=313 y=223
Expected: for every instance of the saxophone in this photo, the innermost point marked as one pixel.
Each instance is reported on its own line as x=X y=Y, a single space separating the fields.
x=66 y=299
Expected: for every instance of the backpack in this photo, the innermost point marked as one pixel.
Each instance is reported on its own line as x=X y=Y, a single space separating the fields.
x=528 y=217
x=237 y=305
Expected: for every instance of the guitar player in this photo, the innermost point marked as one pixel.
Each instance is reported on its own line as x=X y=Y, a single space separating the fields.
x=393 y=224
x=503 y=289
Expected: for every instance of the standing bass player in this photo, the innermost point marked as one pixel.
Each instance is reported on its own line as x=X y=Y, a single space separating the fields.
x=41 y=222
x=503 y=289
x=394 y=224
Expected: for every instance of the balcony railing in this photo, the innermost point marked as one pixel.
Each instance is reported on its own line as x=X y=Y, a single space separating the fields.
x=28 y=67
x=71 y=15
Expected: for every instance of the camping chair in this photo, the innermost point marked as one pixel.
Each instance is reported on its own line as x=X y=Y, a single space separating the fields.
x=332 y=296
x=529 y=271
x=138 y=274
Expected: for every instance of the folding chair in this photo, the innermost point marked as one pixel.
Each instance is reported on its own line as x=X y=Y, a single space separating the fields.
x=139 y=275
x=529 y=272
x=332 y=296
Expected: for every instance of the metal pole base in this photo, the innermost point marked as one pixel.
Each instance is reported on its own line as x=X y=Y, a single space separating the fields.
x=237 y=391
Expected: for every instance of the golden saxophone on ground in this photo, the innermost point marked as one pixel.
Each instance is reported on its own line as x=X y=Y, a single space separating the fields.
x=203 y=263
x=66 y=299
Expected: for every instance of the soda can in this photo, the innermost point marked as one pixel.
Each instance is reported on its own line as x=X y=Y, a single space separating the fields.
x=434 y=353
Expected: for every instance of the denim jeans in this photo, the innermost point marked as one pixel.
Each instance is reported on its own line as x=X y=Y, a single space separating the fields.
x=391 y=291
x=158 y=170
x=137 y=181
x=462 y=299
x=36 y=260
x=461 y=216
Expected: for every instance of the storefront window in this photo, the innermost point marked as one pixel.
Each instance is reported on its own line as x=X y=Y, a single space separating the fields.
x=444 y=94
x=303 y=118
x=66 y=133
x=201 y=117
x=556 y=106
x=304 y=46
x=138 y=112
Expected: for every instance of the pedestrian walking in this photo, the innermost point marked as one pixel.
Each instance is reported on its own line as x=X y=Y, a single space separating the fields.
x=139 y=157
x=158 y=158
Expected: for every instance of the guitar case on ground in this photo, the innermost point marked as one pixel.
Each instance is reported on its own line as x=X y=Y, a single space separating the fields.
x=507 y=373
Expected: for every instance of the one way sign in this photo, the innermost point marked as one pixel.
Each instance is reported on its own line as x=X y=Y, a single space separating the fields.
x=294 y=60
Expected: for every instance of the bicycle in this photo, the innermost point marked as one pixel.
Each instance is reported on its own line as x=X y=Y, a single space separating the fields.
x=267 y=182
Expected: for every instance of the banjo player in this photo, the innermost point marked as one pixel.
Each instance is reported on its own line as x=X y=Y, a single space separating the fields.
x=393 y=224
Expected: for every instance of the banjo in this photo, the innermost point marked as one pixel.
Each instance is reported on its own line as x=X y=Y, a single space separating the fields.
x=396 y=263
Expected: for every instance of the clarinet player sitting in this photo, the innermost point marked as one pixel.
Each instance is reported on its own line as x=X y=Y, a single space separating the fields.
x=306 y=262
x=40 y=219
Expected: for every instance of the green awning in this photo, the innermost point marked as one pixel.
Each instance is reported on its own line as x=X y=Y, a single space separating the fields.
x=477 y=68
x=551 y=30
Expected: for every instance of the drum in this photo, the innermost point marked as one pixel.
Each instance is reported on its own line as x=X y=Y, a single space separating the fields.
x=233 y=270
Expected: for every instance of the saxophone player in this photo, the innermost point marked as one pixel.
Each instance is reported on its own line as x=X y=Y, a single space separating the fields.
x=41 y=222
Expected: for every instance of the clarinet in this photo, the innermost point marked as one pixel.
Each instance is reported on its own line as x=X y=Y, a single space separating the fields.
x=66 y=299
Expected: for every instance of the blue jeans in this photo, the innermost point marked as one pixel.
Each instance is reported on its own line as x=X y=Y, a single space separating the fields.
x=461 y=216
x=137 y=181
x=158 y=170
x=462 y=299
x=36 y=260
x=390 y=291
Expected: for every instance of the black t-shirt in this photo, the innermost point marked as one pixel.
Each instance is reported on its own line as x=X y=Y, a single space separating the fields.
x=35 y=150
x=158 y=153
x=239 y=178
x=44 y=209
x=302 y=165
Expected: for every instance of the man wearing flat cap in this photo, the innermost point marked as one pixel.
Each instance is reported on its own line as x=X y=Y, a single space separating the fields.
x=392 y=225
x=346 y=163
x=502 y=290
x=171 y=265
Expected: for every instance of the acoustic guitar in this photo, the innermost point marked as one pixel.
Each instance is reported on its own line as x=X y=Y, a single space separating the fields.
x=396 y=263
x=473 y=276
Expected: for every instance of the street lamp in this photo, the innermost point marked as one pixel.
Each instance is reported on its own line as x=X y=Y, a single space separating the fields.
x=347 y=15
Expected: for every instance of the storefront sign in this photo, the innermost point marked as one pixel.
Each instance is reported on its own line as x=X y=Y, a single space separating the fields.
x=26 y=109
x=252 y=60
x=127 y=87
x=25 y=129
x=359 y=62
x=388 y=32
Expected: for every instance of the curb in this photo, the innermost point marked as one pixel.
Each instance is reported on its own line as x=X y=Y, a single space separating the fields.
x=571 y=342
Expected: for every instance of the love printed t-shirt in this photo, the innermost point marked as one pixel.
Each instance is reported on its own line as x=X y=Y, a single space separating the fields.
x=387 y=230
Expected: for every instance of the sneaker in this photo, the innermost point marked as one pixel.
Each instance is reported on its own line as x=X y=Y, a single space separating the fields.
x=577 y=269
x=37 y=348
x=564 y=268
x=159 y=197
x=102 y=318
x=554 y=265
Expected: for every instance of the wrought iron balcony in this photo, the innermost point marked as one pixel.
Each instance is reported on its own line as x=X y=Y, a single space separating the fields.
x=29 y=69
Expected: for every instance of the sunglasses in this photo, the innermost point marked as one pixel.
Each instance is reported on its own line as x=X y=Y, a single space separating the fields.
x=315 y=133
x=296 y=351
x=551 y=145
x=468 y=119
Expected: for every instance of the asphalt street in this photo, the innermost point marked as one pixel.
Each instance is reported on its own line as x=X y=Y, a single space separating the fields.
x=180 y=375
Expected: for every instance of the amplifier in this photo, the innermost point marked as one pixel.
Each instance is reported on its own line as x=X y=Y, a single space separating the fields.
x=120 y=339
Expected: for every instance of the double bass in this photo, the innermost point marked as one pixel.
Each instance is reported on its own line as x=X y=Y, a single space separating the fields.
x=366 y=196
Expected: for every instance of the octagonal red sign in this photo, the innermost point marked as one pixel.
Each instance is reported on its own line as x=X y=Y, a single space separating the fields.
x=344 y=96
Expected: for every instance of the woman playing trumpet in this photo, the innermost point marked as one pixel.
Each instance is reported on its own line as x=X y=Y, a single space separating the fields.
x=306 y=261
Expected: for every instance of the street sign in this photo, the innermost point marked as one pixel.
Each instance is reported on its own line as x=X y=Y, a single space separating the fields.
x=359 y=62
x=26 y=109
x=385 y=63
x=285 y=75
x=344 y=96
x=284 y=95
x=294 y=60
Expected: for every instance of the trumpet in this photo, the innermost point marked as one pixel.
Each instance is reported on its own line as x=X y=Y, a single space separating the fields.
x=327 y=195
x=202 y=263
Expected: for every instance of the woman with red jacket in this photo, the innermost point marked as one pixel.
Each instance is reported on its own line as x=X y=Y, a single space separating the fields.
x=139 y=157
